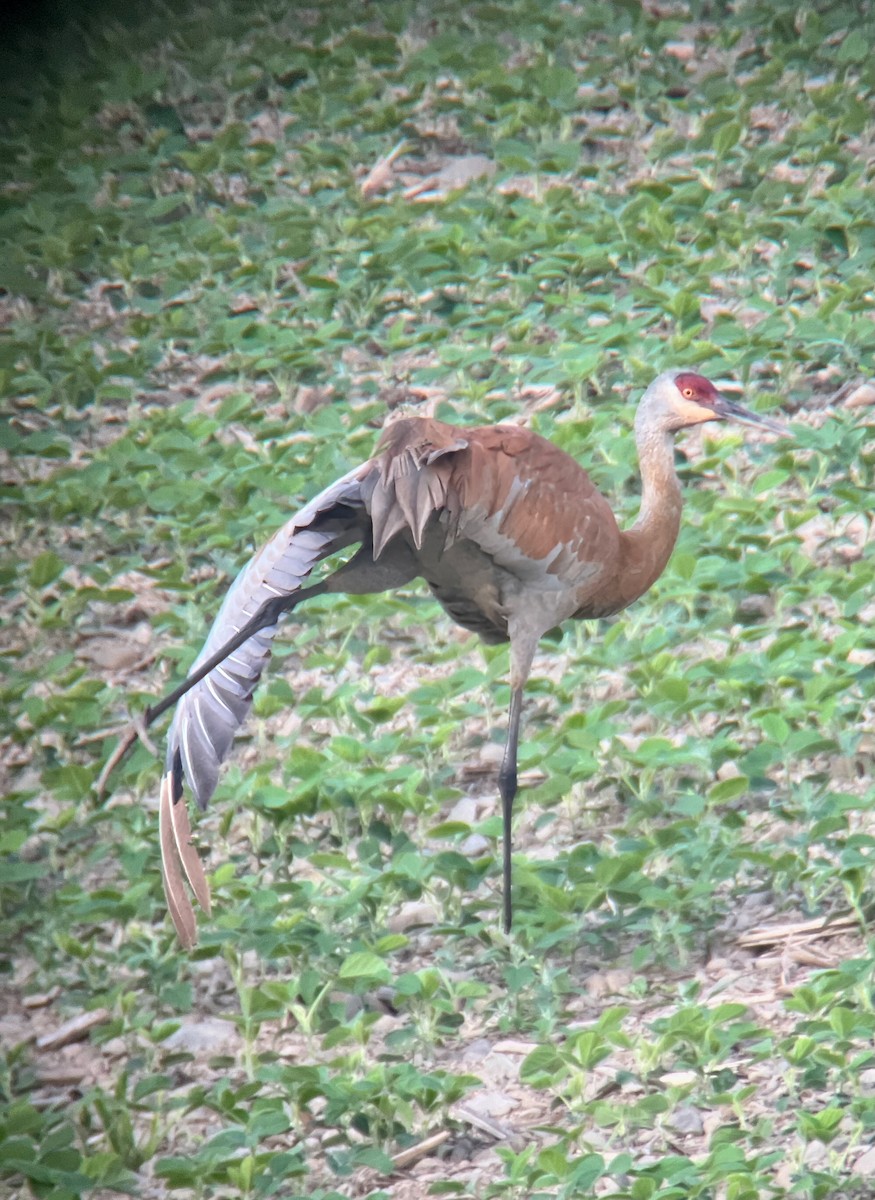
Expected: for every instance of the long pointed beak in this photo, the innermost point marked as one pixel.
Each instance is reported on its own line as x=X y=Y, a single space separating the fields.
x=731 y=410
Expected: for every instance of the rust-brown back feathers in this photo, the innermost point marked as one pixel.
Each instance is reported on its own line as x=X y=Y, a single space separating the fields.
x=531 y=511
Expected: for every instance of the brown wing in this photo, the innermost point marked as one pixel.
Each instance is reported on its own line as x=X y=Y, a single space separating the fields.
x=533 y=508
x=497 y=516
x=415 y=457
x=530 y=500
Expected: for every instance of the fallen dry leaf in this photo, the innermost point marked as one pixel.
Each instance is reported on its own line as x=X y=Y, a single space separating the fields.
x=455 y=173
x=381 y=172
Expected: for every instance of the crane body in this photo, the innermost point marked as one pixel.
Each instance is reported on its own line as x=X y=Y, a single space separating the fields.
x=508 y=531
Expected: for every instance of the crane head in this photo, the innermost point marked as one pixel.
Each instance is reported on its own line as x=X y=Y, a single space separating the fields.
x=678 y=399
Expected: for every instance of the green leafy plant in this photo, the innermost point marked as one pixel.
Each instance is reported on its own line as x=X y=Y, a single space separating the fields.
x=204 y=319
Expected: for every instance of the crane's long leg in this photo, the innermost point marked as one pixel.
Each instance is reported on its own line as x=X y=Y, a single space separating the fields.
x=507 y=782
x=523 y=643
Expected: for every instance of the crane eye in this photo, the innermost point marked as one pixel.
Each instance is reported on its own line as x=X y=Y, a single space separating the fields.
x=688 y=392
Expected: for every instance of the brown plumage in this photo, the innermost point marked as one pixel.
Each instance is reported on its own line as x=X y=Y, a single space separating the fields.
x=508 y=531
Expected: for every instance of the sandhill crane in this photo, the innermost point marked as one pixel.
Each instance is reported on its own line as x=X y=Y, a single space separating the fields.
x=507 y=530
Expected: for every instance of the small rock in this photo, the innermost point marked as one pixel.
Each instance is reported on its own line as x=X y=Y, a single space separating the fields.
x=474 y=845
x=679 y=1078
x=608 y=983
x=203 y=1037
x=865 y=1164
x=477 y=1049
x=464 y=810
x=412 y=914
x=489 y=1103
x=686 y=1119
x=814 y=1154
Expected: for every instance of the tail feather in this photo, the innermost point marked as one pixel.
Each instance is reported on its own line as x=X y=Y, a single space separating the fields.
x=178 y=904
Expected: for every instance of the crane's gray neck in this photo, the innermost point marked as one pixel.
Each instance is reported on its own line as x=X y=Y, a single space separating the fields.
x=651 y=539
x=660 y=487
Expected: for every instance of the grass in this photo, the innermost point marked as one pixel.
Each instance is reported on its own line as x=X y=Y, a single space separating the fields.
x=203 y=322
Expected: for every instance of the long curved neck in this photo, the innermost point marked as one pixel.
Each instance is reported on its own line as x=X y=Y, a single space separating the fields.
x=649 y=542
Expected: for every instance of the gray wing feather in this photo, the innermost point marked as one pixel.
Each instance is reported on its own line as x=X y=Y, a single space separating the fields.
x=208 y=716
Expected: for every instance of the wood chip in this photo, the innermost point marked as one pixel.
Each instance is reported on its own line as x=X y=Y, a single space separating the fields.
x=810 y=958
x=62 y=1077
x=861 y=396
x=495 y=1129
x=406 y=1158
x=74 y=1030
x=512 y=1046
x=682 y=51
x=41 y=999
x=481 y=1118
x=771 y=935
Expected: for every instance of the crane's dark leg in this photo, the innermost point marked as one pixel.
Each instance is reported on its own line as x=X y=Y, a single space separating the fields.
x=269 y=613
x=523 y=643
x=507 y=781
